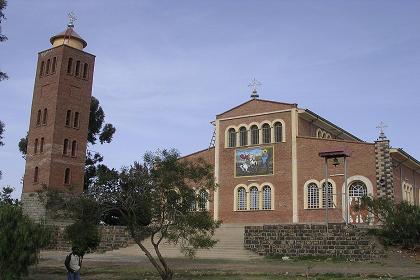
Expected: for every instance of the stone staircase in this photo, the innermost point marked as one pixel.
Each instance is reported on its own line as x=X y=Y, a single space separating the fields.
x=230 y=245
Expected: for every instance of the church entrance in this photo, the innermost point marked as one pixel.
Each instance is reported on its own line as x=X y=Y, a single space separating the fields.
x=356 y=191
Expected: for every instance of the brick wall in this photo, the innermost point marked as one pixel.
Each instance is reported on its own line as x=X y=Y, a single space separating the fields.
x=112 y=238
x=299 y=240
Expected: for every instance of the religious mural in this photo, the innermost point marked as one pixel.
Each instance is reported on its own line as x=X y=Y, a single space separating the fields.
x=254 y=161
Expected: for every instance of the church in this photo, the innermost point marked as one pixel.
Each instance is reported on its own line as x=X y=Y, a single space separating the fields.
x=274 y=162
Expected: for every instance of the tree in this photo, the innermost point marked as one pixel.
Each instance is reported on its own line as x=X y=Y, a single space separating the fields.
x=3 y=4
x=155 y=201
x=400 y=222
x=20 y=238
x=98 y=130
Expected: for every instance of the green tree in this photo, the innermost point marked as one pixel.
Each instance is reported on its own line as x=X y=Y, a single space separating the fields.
x=3 y=4
x=98 y=130
x=20 y=238
x=155 y=201
x=400 y=222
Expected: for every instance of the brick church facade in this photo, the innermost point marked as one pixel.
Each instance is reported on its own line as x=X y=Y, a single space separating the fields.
x=267 y=165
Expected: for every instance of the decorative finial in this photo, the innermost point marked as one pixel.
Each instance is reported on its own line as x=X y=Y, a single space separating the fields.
x=72 y=18
x=381 y=128
x=254 y=84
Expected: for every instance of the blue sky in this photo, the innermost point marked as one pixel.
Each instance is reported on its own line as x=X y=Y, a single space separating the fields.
x=164 y=69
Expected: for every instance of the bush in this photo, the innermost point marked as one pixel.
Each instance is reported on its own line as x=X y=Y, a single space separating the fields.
x=20 y=239
x=400 y=222
x=83 y=235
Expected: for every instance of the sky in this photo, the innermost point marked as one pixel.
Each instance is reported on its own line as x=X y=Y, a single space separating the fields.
x=164 y=69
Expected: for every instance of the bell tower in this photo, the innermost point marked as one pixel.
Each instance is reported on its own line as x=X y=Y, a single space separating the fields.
x=59 y=119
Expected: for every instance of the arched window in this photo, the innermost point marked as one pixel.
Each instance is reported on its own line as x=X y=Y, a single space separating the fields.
x=241 y=198
x=70 y=66
x=76 y=120
x=36 y=173
x=47 y=71
x=357 y=190
x=266 y=133
x=77 y=72
x=254 y=198
x=313 y=196
x=243 y=136
x=255 y=135
x=66 y=147
x=68 y=117
x=67 y=176
x=54 y=64
x=45 y=117
x=231 y=137
x=41 y=69
x=202 y=200
x=85 y=70
x=319 y=133
x=73 y=148
x=266 y=198
x=330 y=195
x=38 y=118
x=36 y=146
x=278 y=132
x=41 y=147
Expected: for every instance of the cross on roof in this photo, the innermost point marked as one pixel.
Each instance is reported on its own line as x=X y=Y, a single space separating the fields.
x=254 y=84
x=72 y=19
x=381 y=128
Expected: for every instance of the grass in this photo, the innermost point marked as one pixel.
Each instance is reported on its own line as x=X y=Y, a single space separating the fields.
x=132 y=272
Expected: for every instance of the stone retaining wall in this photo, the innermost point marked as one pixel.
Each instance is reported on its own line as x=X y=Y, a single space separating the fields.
x=112 y=238
x=306 y=240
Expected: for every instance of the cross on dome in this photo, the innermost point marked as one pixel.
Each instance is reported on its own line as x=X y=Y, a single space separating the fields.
x=72 y=19
x=254 y=84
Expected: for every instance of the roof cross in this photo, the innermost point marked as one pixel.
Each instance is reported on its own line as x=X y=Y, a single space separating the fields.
x=381 y=128
x=72 y=19
x=254 y=84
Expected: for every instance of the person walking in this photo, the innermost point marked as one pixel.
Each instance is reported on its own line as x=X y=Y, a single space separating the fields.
x=73 y=264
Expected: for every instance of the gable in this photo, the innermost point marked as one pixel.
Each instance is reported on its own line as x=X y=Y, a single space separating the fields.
x=255 y=106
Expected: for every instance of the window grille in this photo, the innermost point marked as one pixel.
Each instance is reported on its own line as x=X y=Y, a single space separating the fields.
x=241 y=199
x=266 y=133
x=202 y=200
x=243 y=136
x=313 y=196
x=266 y=198
x=254 y=198
x=330 y=195
x=278 y=131
x=255 y=135
x=232 y=137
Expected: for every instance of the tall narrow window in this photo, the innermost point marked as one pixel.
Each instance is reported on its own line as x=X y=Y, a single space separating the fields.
x=54 y=64
x=278 y=131
x=36 y=146
x=266 y=133
x=266 y=198
x=232 y=137
x=67 y=176
x=68 y=117
x=38 y=118
x=330 y=195
x=41 y=147
x=36 y=171
x=254 y=198
x=85 y=70
x=41 y=69
x=243 y=136
x=255 y=135
x=66 y=147
x=202 y=200
x=313 y=196
x=76 y=120
x=45 y=117
x=241 y=197
x=73 y=148
x=47 y=70
x=77 y=72
x=70 y=66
